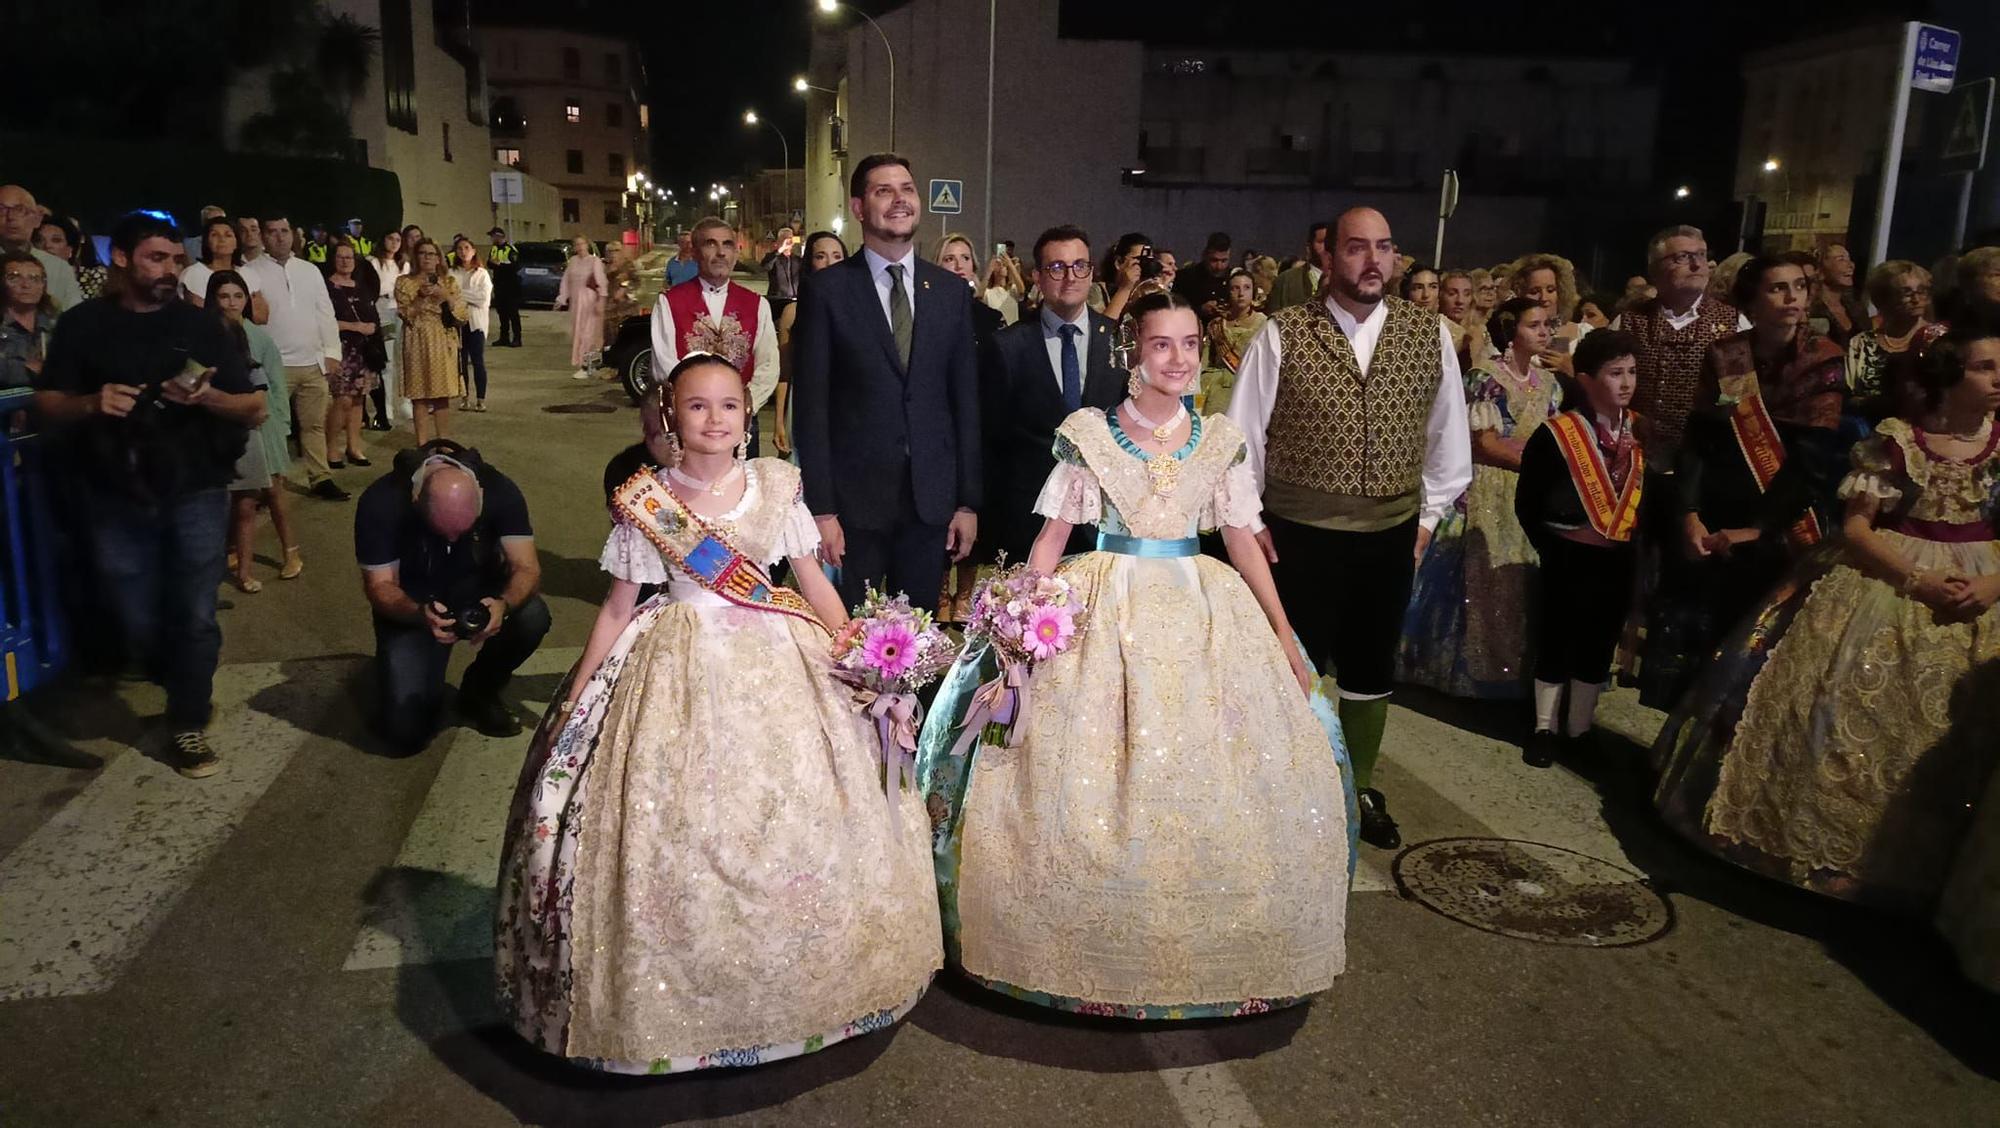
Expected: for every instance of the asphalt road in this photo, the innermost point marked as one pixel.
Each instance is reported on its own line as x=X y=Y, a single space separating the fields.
x=303 y=938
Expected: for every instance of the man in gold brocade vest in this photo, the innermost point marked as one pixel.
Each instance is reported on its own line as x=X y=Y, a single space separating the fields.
x=1354 y=411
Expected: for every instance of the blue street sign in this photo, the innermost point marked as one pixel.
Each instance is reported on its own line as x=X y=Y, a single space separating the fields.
x=1935 y=66
x=947 y=197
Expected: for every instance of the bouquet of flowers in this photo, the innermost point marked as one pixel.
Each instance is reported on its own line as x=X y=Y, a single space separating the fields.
x=886 y=653
x=1025 y=617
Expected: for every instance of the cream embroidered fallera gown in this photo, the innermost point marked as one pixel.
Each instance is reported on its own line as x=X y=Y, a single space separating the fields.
x=1170 y=838
x=700 y=868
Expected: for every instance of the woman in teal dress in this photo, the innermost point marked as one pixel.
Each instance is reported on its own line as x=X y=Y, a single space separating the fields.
x=1168 y=838
x=1466 y=631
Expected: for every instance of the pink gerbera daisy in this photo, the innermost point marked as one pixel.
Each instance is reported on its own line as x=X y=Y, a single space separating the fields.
x=1048 y=631
x=890 y=650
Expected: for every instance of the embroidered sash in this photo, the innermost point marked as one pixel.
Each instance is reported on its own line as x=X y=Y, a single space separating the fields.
x=1757 y=438
x=701 y=551
x=1613 y=514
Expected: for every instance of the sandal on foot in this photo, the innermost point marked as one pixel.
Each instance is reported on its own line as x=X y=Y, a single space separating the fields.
x=294 y=564
x=246 y=585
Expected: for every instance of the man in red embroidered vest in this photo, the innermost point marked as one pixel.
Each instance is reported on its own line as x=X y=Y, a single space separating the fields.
x=1354 y=414
x=715 y=315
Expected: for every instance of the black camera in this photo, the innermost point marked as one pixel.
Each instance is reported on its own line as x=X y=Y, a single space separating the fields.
x=1149 y=265
x=467 y=621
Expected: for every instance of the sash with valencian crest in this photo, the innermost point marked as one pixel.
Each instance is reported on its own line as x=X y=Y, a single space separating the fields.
x=1757 y=438
x=1613 y=513
x=701 y=551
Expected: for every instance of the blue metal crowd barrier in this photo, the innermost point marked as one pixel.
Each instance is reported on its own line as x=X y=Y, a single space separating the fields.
x=33 y=638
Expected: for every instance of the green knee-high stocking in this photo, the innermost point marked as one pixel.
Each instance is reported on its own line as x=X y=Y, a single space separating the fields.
x=1362 y=722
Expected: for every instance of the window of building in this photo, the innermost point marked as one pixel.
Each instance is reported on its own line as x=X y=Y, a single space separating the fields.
x=509 y=157
x=614 y=114
x=645 y=117
x=573 y=112
x=572 y=210
x=399 y=65
x=447 y=141
x=573 y=162
x=612 y=214
x=614 y=165
x=614 y=67
x=572 y=63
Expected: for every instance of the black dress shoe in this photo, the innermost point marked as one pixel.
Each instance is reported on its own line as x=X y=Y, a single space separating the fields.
x=1377 y=828
x=326 y=490
x=1541 y=749
x=488 y=714
x=357 y=460
x=336 y=465
x=381 y=425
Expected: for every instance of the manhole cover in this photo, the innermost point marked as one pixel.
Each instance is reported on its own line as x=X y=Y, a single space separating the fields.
x=1532 y=891
x=580 y=409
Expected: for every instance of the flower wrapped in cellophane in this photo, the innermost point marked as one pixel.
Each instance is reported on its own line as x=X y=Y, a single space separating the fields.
x=1026 y=617
x=886 y=653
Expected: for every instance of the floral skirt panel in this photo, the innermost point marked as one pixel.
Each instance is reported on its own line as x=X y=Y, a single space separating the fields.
x=1172 y=837
x=701 y=868
x=1838 y=738
x=1466 y=630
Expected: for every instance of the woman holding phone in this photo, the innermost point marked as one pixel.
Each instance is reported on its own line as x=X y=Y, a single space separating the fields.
x=433 y=313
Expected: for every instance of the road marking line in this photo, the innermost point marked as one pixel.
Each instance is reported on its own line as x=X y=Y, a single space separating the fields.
x=1206 y=1094
x=436 y=903
x=84 y=893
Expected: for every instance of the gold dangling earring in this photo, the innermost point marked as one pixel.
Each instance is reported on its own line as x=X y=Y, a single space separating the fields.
x=743 y=448
x=1132 y=385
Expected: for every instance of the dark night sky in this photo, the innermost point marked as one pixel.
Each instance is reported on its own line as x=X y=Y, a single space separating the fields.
x=707 y=62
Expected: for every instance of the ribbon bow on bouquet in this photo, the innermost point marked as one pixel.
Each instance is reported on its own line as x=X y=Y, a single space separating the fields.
x=1000 y=703
x=885 y=654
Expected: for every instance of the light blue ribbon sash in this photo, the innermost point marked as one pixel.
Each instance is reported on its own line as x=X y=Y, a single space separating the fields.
x=1148 y=548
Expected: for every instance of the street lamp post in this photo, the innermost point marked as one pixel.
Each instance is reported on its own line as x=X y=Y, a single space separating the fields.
x=835 y=5
x=750 y=118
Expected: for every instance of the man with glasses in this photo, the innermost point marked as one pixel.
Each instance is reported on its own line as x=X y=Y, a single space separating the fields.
x=1049 y=366
x=1674 y=330
x=885 y=400
x=1354 y=413
x=19 y=216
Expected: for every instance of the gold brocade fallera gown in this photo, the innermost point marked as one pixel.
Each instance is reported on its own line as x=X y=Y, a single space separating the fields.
x=1170 y=838
x=700 y=867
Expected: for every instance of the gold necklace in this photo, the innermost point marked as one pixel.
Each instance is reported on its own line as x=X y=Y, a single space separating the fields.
x=1160 y=430
x=715 y=488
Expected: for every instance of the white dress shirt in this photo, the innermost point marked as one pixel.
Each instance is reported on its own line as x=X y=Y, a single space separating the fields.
x=302 y=320
x=878 y=269
x=194 y=280
x=763 y=344
x=1680 y=321
x=1447 y=440
x=1052 y=337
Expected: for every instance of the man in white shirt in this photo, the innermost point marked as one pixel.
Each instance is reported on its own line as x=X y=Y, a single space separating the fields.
x=19 y=216
x=303 y=325
x=1354 y=414
x=712 y=314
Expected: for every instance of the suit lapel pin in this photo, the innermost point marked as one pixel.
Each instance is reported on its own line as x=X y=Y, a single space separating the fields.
x=927 y=284
x=1100 y=330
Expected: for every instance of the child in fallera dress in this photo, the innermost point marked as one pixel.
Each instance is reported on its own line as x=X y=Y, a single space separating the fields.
x=701 y=868
x=1169 y=838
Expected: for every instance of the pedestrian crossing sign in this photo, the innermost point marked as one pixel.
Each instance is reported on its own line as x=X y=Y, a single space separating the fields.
x=947 y=197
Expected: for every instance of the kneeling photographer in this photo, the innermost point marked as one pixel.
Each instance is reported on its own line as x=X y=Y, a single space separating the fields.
x=447 y=557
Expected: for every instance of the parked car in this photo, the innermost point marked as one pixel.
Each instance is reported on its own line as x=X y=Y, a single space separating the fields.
x=541 y=272
x=630 y=354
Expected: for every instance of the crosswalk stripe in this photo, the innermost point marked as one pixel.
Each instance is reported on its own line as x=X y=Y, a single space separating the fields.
x=1205 y=1092
x=80 y=896
x=437 y=903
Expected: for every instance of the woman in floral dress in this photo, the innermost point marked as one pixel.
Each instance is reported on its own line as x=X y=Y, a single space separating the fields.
x=428 y=301
x=701 y=868
x=1840 y=740
x=1466 y=632
x=1169 y=838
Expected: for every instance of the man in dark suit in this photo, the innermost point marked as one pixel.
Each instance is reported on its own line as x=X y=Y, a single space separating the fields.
x=885 y=400
x=1049 y=365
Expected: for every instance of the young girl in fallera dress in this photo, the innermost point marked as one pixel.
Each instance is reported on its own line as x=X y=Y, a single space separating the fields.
x=1169 y=837
x=701 y=867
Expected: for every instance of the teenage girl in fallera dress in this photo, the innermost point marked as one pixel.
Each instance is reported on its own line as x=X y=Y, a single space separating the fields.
x=701 y=867
x=1169 y=839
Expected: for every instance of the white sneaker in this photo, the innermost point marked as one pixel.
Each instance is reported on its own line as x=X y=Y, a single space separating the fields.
x=580 y=374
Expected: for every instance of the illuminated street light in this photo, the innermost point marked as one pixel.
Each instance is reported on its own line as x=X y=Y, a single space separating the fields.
x=750 y=118
x=799 y=84
x=1682 y=192
x=1770 y=164
x=830 y=6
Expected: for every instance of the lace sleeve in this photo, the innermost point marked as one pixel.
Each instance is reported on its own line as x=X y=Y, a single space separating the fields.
x=1071 y=494
x=1235 y=503
x=1877 y=473
x=629 y=556
x=799 y=535
x=1483 y=397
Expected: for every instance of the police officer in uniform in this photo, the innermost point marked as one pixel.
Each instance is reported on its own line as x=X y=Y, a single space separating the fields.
x=504 y=261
